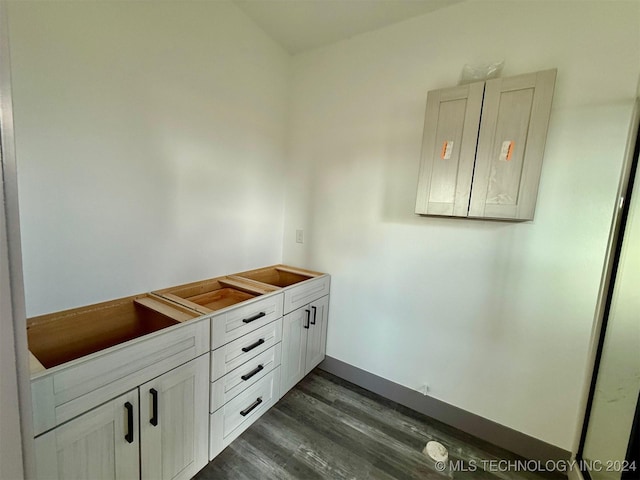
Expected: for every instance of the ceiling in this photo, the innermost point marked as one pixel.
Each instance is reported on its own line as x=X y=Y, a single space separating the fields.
x=301 y=25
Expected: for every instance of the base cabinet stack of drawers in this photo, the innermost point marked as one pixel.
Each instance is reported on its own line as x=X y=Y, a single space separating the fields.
x=245 y=360
x=153 y=386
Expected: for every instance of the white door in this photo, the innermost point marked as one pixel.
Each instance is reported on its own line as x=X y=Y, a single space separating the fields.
x=101 y=444
x=174 y=417
x=295 y=326
x=317 y=339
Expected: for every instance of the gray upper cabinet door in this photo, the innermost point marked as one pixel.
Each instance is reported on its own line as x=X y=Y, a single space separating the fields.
x=451 y=127
x=513 y=130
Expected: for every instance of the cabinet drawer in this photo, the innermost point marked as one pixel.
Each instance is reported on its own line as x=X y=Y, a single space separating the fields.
x=239 y=321
x=308 y=291
x=234 y=354
x=237 y=415
x=235 y=382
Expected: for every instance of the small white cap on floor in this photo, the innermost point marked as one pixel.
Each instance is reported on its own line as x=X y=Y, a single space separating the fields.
x=436 y=451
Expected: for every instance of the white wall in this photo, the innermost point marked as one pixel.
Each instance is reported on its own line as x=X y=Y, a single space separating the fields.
x=494 y=316
x=150 y=143
x=150 y=136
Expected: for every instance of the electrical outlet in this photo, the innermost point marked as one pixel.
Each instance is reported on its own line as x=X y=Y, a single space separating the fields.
x=424 y=389
x=299 y=236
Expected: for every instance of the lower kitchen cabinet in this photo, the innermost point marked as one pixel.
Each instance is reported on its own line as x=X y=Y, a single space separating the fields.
x=304 y=339
x=158 y=431
x=205 y=361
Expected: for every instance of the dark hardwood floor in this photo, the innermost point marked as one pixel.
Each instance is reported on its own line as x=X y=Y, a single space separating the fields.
x=326 y=428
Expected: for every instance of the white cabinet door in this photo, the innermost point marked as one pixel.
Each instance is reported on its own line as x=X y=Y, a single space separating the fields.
x=482 y=147
x=451 y=126
x=317 y=335
x=174 y=422
x=101 y=444
x=295 y=326
x=515 y=116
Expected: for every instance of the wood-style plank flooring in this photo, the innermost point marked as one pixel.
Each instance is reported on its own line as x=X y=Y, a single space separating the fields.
x=327 y=428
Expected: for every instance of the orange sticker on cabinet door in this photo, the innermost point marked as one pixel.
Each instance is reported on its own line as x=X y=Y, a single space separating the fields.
x=447 y=148
x=506 y=152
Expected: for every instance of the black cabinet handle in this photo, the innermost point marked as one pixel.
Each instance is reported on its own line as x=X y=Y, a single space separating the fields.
x=247 y=410
x=252 y=373
x=154 y=407
x=129 y=436
x=308 y=318
x=251 y=347
x=255 y=317
x=315 y=312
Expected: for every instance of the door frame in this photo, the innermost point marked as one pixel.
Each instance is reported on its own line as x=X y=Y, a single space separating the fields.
x=13 y=318
x=607 y=281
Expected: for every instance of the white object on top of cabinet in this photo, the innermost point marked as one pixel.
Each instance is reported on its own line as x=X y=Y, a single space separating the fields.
x=482 y=155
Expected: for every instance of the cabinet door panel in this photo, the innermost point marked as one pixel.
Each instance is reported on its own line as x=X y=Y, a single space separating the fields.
x=317 y=337
x=451 y=125
x=511 y=142
x=93 y=445
x=176 y=447
x=294 y=348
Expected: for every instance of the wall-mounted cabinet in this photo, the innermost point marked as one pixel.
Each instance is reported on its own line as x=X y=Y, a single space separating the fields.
x=482 y=147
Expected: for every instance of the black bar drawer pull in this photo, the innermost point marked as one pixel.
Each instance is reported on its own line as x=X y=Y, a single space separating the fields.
x=251 y=347
x=315 y=312
x=154 y=407
x=255 y=317
x=308 y=318
x=252 y=373
x=248 y=410
x=129 y=436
